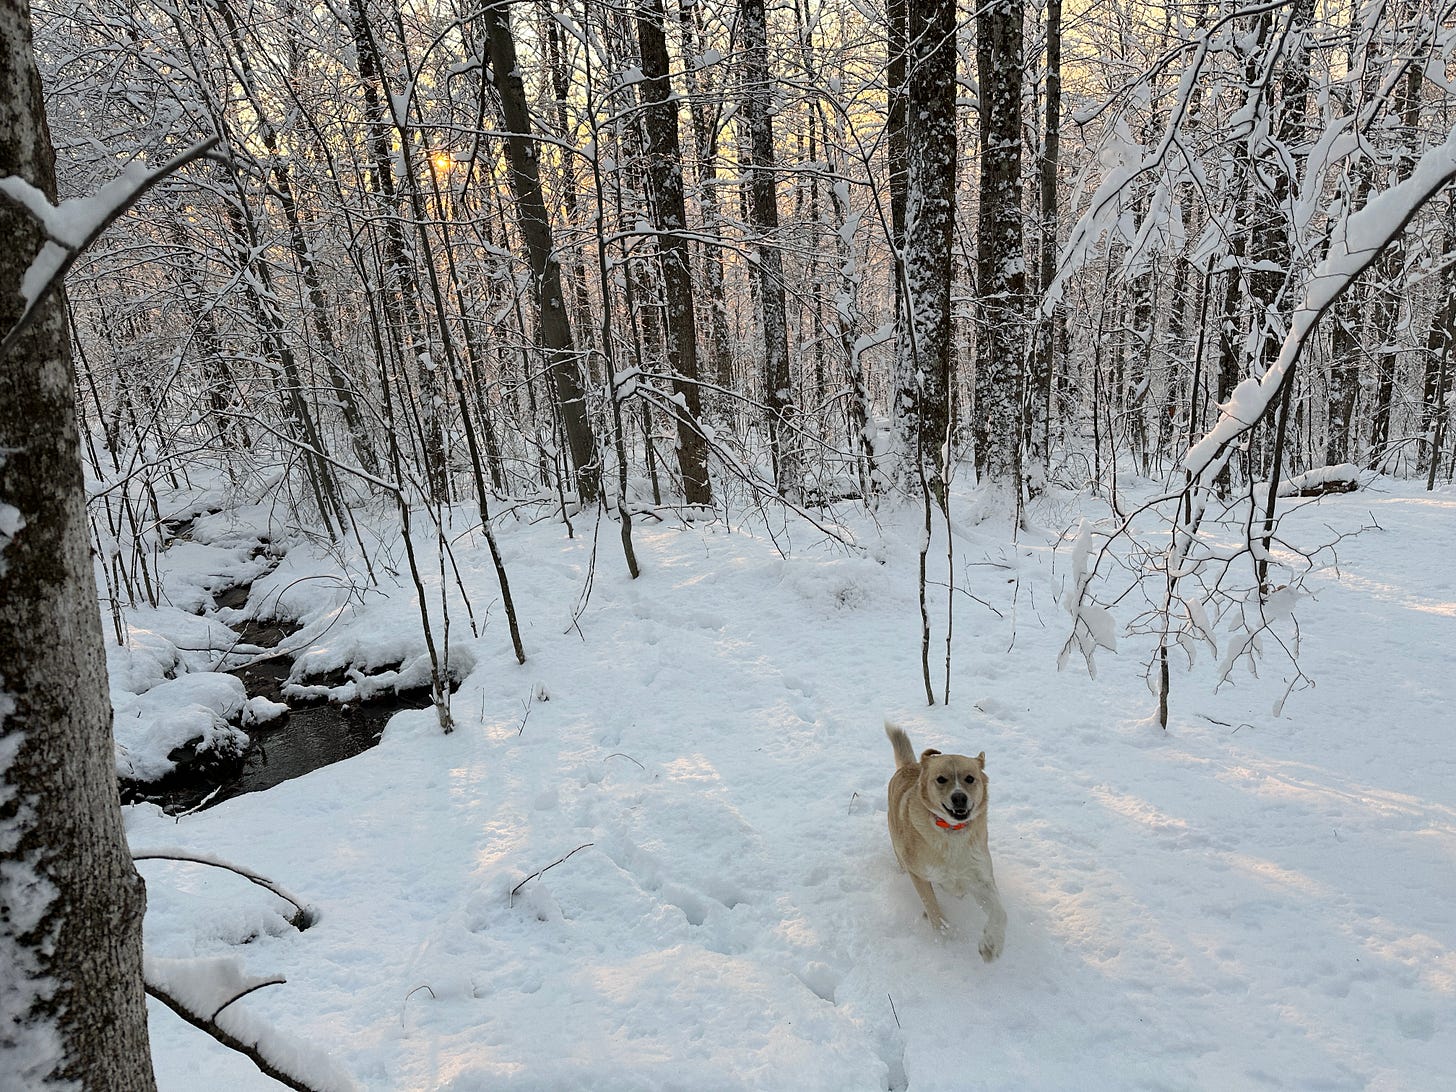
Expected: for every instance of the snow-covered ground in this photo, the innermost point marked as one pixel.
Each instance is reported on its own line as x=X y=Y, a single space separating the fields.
x=655 y=856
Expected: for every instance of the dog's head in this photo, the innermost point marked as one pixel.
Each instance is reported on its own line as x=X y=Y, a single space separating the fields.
x=953 y=786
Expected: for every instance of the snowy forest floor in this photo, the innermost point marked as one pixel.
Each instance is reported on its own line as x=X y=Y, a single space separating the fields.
x=1247 y=900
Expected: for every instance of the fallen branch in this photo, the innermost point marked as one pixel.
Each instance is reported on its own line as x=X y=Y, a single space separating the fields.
x=306 y=915
x=199 y=990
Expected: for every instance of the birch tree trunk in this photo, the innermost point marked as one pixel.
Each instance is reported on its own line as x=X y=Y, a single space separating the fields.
x=72 y=1007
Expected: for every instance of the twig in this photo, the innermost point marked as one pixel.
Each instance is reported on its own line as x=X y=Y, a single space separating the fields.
x=548 y=868
x=278 y=980
x=422 y=986
x=197 y=807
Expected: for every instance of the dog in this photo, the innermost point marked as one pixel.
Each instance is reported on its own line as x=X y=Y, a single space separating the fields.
x=938 y=829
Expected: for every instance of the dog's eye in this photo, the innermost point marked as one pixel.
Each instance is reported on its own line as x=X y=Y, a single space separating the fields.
x=940 y=780
x=970 y=779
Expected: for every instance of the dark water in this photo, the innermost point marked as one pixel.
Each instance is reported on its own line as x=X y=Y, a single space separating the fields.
x=305 y=739
x=311 y=735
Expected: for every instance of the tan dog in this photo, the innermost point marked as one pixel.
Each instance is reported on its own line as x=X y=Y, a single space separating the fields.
x=938 y=829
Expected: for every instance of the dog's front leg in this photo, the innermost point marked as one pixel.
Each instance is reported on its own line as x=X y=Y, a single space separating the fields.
x=932 y=905
x=993 y=937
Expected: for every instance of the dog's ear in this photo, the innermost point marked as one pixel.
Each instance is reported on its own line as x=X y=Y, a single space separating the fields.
x=981 y=758
x=928 y=752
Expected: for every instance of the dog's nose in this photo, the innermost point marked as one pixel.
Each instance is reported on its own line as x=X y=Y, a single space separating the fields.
x=958 y=800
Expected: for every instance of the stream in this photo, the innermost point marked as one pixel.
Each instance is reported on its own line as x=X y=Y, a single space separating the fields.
x=313 y=733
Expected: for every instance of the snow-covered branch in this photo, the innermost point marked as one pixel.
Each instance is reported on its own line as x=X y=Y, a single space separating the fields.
x=1356 y=242
x=202 y=992
x=306 y=915
x=74 y=225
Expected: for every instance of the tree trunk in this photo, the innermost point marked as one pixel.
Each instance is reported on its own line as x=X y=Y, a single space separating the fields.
x=570 y=197
x=72 y=1007
x=1039 y=382
x=922 y=384
x=705 y=143
x=1439 y=346
x=665 y=178
x=535 y=223
x=764 y=214
x=405 y=311
x=1000 y=269
x=897 y=15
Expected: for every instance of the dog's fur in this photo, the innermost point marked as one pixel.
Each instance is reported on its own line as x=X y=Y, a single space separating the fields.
x=956 y=855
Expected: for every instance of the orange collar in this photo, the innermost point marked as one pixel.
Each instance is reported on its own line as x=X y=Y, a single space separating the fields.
x=943 y=825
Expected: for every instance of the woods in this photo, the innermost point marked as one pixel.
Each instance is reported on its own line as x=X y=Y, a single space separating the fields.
x=678 y=261
x=394 y=276
x=409 y=204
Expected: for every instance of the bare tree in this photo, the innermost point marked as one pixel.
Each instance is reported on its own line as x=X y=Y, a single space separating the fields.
x=922 y=385
x=535 y=223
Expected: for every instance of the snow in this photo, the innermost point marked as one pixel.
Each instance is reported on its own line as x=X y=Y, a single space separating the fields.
x=1293 y=485
x=11 y=524
x=69 y=224
x=655 y=855
x=149 y=726
x=208 y=988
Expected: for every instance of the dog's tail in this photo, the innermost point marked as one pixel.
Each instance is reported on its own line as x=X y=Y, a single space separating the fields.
x=904 y=753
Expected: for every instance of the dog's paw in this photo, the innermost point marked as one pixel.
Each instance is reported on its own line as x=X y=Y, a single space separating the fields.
x=939 y=927
x=990 y=947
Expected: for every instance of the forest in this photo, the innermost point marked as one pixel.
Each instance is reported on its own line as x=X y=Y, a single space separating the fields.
x=492 y=468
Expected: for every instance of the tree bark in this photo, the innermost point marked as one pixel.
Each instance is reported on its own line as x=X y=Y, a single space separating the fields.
x=72 y=1007
x=1440 y=343
x=535 y=223
x=764 y=214
x=705 y=142
x=1039 y=381
x=897 y=33
x=1000 y=268
x=665 y=177
x=922 y=384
